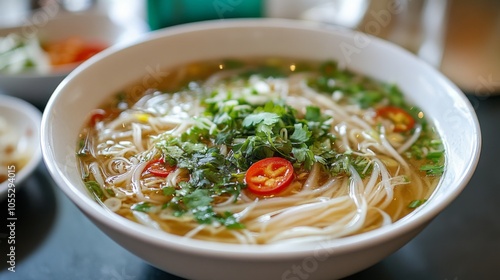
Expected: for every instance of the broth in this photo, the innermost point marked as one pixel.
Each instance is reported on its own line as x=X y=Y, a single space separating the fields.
x=260 y=151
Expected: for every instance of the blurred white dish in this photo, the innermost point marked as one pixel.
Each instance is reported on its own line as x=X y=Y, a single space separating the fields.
x=110 y=71
x=37 y=87
x=23 y=119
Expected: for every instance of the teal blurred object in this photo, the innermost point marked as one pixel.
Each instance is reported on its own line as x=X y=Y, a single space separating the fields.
x=163 y=13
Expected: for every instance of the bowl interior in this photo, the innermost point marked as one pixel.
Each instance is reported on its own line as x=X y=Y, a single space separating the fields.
x=95 y=80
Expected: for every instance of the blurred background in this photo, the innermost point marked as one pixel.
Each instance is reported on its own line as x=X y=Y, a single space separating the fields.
x=459 y=37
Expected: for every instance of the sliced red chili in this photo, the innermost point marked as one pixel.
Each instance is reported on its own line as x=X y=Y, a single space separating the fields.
x=159 y=168
x=401 y=119
x=96 y=116
x=269 y=176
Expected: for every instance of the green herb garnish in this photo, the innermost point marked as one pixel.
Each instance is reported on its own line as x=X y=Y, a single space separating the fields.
x=416 y=203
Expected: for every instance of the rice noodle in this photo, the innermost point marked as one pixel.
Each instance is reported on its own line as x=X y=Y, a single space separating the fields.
x=135 y=181
x=323 y=206
x=391 y=151
x=412 y=139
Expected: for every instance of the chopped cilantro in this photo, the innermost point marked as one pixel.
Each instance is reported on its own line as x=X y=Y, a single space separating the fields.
x=432 y=170
x=236 y=131
x=313 y=114
x=434 y=155
x=416 y=203
x=395 y=95
x=142 y=207
x=198 y=198
x=264 y=118
x=230 y=221
x=367 y=98
x=168 y=190
x=94 y=188
x=300 y=134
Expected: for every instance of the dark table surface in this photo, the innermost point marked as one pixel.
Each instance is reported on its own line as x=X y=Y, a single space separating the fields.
x=54 y=240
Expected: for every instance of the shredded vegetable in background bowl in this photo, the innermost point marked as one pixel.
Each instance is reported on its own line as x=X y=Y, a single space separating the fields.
x=18 y=54
x=30 y=54
x=19 y=143
x=34 y=59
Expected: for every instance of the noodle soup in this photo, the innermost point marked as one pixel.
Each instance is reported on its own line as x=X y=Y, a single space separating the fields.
x=261 y=151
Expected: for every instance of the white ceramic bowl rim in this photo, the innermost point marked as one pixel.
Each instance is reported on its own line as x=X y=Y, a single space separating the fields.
x=417 y=218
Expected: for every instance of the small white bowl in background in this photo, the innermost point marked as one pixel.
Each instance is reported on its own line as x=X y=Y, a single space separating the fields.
x=25 y=119
x=91 y=26
x=110 y=71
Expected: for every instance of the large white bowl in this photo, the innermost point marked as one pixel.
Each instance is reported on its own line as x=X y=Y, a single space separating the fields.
x=89 y=85
x=25 y=119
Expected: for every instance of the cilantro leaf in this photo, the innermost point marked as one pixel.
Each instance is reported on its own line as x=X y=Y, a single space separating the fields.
x=94 y=188
x=265 y=118
x=300 y=134
x=416 y=203
x=142 y=207
x=230 y=221
x=313 y=113
x=168 y=190
x=198 y=198
x=432 y=170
